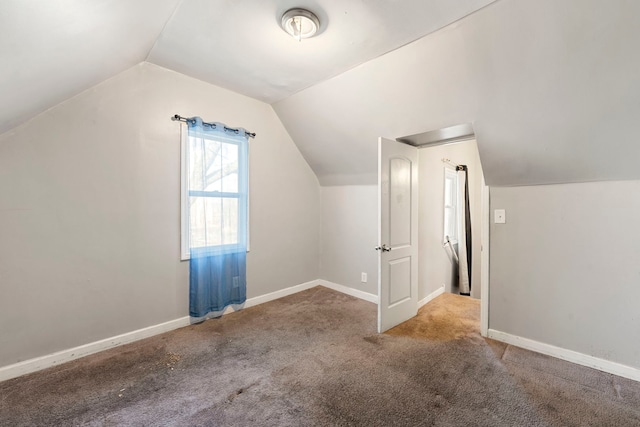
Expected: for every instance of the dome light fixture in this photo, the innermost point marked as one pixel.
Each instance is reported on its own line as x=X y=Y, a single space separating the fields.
x=300 y=23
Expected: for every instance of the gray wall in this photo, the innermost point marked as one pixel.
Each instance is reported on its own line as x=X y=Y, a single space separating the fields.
x=89 y=211
x=565 y=268
x=349 y=236
x=435 y=267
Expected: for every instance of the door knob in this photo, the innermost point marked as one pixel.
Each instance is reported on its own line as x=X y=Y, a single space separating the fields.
x=383 y=248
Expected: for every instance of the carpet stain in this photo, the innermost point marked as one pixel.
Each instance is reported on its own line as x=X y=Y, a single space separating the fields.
x=617 y=388
x=241 y=391
x=373 y=339
x=445 y=318
x=236 y=393
x=171 y=360
x=440 y=401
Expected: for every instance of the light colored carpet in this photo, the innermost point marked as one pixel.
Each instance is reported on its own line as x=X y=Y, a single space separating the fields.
x=314 y=359
x=446 y=318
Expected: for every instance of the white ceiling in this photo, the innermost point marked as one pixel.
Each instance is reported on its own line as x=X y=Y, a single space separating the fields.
x=239 y=45
x=52 y=50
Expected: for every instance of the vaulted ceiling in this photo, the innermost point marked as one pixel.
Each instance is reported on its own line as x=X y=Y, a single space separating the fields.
x=52 y=50
x=551 y=87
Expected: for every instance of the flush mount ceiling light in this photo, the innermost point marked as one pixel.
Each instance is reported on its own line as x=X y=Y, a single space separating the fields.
x=300 y=23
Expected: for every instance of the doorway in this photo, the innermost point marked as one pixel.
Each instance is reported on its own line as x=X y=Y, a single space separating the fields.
x=438 y=270
x=441 y=211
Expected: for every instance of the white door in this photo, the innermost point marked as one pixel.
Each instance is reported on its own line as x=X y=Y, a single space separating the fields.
x=398 y=238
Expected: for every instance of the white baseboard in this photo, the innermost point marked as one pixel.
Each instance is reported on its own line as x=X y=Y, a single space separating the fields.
x=281 y=293
x=568 y=355
x=349 y=291
x=53 y=359
x=431 y=296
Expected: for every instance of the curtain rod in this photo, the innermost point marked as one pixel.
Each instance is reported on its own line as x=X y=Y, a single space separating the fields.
x=449 y=162
x=179 y=118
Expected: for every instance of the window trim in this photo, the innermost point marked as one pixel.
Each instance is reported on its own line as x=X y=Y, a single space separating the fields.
x=185 y=253
x=450 y=174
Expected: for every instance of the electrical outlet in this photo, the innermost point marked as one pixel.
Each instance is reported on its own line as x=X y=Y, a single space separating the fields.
x=363 y=278
x=236 y=282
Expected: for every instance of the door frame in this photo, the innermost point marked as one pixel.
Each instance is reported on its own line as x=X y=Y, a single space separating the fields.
x=484 y=259
x=484 y=251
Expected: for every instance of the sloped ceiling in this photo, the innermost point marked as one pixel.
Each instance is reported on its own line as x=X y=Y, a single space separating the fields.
x=552 y=87
x=52 y=50
x=239 y=45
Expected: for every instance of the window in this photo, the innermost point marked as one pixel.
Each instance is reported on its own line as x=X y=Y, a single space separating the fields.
x=214 y=191
x=450 y=205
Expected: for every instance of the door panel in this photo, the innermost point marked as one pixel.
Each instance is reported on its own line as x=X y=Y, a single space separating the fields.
x=400 y=202
x=398 y=247
x=400 y=275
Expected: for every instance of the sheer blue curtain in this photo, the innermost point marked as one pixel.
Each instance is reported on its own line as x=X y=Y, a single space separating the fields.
x=217 y=205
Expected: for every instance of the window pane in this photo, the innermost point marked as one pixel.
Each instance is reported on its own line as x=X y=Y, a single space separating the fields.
x=447 y=223
x=202 y=155
x=213 y=165
x=450 y=204
x=229 y=221
x=213 y=221
x=229 y=168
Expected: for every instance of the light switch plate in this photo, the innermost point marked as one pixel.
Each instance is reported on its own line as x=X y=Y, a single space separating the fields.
x=499 y=216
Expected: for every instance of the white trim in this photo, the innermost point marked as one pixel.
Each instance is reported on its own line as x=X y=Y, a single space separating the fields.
x=568 y=355
x=451 y=175
x=484 y=261
x=248 y=195
x=349 y=291
x=38 y=363
x=431 y=296
x=280 y=294
x=379 y=194
x=184 y=214
x=261 y=299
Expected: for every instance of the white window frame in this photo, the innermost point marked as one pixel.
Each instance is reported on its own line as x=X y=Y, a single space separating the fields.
x=185 y=252
x=450 y=175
